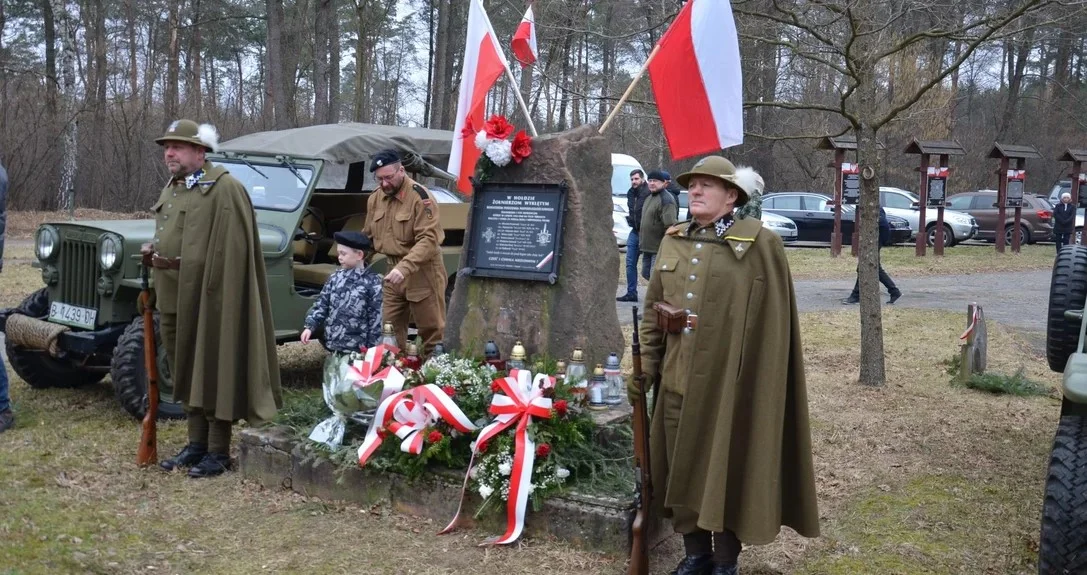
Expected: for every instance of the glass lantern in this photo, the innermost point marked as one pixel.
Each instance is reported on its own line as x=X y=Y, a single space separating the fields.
x=575 y=371
x=388 y=338
x=411 y=356
x=491 y=356
x=614 y=393
x=517 y=357
x=439 y=350
x=598 y=391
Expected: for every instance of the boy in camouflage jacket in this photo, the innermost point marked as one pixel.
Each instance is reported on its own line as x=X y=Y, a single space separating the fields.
x=349 y=306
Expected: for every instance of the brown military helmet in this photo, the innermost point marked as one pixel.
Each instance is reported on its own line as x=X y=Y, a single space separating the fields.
x=722 y=169
x=188 y=131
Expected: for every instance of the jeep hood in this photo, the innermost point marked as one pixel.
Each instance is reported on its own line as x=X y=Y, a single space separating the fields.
x=272 y=239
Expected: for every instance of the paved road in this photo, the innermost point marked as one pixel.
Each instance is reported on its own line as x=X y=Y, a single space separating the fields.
x=1017 y=299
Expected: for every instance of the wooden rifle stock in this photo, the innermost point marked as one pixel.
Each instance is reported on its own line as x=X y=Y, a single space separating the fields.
x=147 y=454
x=639 y=529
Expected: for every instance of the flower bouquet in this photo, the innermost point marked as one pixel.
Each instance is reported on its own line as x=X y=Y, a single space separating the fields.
x=497 y=149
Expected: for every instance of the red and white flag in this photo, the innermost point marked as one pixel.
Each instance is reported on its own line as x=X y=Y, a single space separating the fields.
x=484 y=62
x=524 y=40
x=697 y=81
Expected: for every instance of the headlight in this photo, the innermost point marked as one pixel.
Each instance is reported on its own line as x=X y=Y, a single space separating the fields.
x=776 y=224
x=46 y=242
x=109 y=252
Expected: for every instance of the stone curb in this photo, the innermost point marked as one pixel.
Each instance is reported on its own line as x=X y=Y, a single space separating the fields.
x=275 y=458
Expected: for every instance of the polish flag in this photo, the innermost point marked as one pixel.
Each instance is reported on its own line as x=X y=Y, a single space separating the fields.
x=484 y=62
x=524 y=40
x=697 y=81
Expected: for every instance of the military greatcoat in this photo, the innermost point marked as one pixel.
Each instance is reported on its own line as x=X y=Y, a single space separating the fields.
x=740 y=453
x=224 y=354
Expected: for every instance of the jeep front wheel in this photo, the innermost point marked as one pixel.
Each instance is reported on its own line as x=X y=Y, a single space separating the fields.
x=1063 y=544
x=37 y=368
x=129 y=374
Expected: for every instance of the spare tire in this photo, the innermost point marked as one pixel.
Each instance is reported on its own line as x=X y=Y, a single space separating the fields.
x=129 y=374
x=1067 y=290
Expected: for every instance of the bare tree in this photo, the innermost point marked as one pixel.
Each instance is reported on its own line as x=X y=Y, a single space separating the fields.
x=65 y=199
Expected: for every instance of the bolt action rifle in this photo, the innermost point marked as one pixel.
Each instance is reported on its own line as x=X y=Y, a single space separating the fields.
x=639 y=528
x=147 y=454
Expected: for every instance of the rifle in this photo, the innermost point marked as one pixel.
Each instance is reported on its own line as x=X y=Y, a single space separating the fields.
x=147 y=454
x=639 y=528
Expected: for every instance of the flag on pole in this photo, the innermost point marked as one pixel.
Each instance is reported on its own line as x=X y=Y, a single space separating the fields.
x=483 y=63
x=697 y=81
x=524 y=40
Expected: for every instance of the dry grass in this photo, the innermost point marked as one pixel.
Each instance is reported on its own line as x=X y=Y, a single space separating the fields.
x=900 y=261
x=916 y=477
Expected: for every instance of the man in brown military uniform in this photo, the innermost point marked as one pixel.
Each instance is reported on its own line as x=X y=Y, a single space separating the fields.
x=402 y=222
x=211 y=293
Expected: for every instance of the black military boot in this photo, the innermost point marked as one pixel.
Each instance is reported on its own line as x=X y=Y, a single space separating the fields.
x=895 y=294
x=725 y=569
x=189 y=455
x=695 y=565
x=211 y=465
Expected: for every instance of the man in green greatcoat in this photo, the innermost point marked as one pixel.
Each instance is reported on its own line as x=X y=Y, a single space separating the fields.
x=211 y=292
x=730 y=443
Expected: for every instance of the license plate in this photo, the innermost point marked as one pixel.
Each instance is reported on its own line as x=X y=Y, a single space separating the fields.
x=72 y=315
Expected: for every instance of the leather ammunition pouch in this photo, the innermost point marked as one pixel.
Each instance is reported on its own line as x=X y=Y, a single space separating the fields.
x=670 y=318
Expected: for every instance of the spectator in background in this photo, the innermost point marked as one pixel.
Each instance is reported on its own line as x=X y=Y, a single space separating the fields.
x=1064 y=221
x=7 y=418
x=892 y=289
x=636 y=196
x=659 y=212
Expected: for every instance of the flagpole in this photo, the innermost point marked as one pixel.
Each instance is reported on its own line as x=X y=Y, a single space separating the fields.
x=520 y=100
x=622 y=100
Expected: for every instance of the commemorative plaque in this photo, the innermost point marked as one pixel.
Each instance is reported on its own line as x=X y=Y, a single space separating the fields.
x=937 y=185
x=516 y=231
x=851 y=184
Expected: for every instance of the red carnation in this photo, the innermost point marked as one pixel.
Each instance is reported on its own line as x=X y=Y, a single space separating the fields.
x=449 y=390
x=481 y=446
x=522 y=146
x=498 y=128
x=435 y=436
x=469 y=130
x=495 y=387
x=561 y=407
x=382 y=433
x=543 y=450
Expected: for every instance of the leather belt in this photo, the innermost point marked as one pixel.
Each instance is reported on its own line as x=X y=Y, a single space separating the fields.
x=159 y=262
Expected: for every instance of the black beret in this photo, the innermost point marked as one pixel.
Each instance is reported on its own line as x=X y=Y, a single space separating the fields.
x=659 y=175
x=384 y=158
x=354 y=240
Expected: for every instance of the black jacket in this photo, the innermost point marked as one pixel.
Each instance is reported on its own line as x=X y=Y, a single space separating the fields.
x=635 y=198
x=1064 y=218
x=884 y=229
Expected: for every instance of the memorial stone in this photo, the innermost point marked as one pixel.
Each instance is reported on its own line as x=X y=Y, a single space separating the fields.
x=550 y=315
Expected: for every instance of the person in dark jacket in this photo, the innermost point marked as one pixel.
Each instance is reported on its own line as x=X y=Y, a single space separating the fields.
x=884 y=239
x=1064 y=221
x=659 y=212
x=7 y=418
x=636 y=196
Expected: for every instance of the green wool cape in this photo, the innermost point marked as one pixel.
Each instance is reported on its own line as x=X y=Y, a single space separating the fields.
x=742 y=459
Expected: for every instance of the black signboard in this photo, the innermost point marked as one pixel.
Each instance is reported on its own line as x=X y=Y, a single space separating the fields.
x=936 y=194
x=1014 y=198
x=516 y=231
x=851 y=189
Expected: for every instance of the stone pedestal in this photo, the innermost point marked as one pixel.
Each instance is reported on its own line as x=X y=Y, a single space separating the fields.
x=579 y=309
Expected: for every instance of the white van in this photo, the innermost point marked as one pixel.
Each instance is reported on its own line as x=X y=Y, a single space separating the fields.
x=621 y=166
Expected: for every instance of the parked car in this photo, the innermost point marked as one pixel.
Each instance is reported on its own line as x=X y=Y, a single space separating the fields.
x=780 y=225
x=1036 y=223
x=621 y=166
x=813 y=214
x=958 y=226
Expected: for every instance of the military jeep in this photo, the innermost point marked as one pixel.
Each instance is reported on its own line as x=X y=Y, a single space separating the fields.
x=305 y=185
x=1063 y=546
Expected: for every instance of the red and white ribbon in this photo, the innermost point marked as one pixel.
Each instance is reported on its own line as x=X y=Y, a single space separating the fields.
x=522 y=400
x=973 y=324
x=408 y=414
x=367 y=372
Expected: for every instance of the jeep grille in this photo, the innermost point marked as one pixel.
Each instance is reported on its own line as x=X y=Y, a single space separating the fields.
x=79 y=265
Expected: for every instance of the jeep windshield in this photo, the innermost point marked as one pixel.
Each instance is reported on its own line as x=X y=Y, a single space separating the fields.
x=271 y=187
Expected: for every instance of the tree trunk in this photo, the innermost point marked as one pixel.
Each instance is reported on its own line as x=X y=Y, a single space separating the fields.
x=172 y=64
x=321 y=20
x=65 y=194
x=441 y=87
x=872 y=371
x=50 y=63
x=1017 y=63
x=195 y=88
x=274 y=69
x=334 y=65
x=133 y=68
